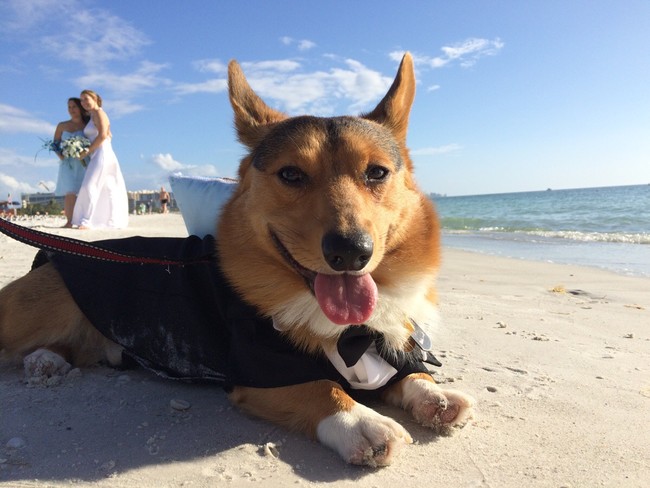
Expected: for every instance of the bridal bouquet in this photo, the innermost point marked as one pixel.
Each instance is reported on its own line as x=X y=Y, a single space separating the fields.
x=73 y=147
x=50 y=145
x=69 y=148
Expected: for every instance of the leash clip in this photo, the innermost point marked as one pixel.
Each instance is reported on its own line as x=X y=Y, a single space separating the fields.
x=420 y=337
x=424 y=342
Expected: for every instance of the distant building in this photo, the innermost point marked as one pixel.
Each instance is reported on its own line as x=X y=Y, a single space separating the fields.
x=40 y=198
x=148 y=198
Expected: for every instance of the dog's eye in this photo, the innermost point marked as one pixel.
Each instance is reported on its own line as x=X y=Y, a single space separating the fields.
x=292 y=175
x=376 y=174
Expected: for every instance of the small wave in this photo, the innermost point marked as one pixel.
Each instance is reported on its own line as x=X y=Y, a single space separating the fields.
x=456 y=224
x=462 y=223
x=580 y=236
x=625 y=238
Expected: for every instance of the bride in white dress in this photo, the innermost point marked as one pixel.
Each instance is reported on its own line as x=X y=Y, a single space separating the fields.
x=102 y=201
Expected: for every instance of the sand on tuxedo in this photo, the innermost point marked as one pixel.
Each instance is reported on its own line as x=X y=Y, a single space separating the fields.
x=557 y=357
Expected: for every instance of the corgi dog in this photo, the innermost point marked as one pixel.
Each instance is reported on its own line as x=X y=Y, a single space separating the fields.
x=326 y=236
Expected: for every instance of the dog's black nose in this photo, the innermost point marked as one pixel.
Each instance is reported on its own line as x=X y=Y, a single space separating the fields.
x=347 y=253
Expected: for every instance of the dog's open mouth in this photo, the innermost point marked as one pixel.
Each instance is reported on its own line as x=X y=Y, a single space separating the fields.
x=344 y=298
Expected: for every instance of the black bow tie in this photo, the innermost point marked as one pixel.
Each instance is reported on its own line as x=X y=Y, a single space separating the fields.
x=356 y=340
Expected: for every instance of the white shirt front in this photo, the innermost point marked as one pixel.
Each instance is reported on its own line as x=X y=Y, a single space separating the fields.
x=370 y=372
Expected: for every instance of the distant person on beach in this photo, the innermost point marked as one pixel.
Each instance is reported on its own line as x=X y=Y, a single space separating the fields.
x=71 y=170
x=102 y=201
x=8 y=209
x=164 y=200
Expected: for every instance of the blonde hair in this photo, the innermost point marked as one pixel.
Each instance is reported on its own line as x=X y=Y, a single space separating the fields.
x=91 y=93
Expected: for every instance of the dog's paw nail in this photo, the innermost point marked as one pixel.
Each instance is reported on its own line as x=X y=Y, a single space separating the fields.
x=379 y=450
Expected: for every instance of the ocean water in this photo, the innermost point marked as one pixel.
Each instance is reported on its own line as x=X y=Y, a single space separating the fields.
x=606 y=227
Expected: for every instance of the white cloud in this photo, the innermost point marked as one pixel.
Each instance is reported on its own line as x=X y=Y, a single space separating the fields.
x=398 y=55
x=280 y=65
x=361 y=84
x=302 y=44
x=15 y=120
x=93 y=38
x=436 y=151
x=208 y=86
x=167 y=163
x=9 y=184
x=466 y=53
x=124 y=88
x=68 y=31
x=21 y=15
x=210 y=66
x=433 y=88
x=144 y=78
x=117 y=108
x=473 y=46
x=297 y=90
x=306 y=45
x=42 y=158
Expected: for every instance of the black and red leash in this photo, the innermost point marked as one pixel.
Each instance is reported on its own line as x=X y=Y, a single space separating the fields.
x=67 y=245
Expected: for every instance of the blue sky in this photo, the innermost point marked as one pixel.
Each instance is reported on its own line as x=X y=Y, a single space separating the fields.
x=512 y=96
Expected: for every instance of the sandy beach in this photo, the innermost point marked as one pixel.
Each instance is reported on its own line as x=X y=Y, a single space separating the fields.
x=557 y=357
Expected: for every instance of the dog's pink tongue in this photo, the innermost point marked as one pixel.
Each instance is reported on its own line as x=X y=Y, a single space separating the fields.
x=346 y=299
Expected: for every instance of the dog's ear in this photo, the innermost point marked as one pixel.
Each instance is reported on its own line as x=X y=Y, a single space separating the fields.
x=252 y=115
x=393 y=111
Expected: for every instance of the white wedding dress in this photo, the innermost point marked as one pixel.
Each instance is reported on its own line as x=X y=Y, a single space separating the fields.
x=102 y=201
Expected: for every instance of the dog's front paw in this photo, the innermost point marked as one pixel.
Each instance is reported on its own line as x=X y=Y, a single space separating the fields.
x=362 y=436
x=430 y=405
x=44 y=366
